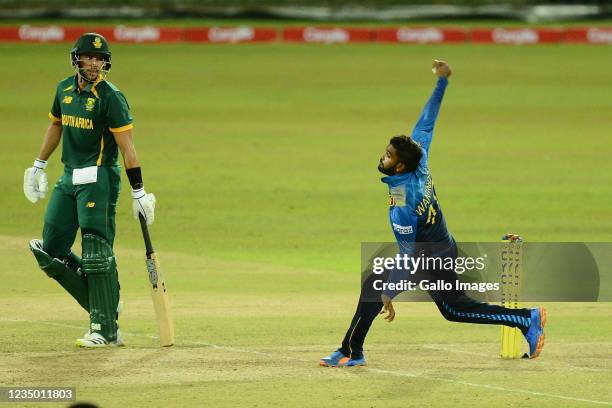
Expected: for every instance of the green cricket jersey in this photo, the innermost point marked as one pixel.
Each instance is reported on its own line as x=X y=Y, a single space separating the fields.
x=89 y=117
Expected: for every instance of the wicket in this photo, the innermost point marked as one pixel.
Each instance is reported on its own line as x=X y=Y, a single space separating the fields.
x=511 y=271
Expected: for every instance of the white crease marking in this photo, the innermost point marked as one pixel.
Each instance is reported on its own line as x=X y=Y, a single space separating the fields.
x=372 y=370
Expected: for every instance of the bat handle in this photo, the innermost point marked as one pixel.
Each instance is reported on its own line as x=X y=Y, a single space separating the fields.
x=145 y=234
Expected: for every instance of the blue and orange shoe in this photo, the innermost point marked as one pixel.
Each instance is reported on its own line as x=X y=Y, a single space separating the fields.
x=535 y=334
x=337 y=359
x=353 y=362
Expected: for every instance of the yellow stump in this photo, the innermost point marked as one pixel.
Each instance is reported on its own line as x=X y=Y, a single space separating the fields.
x=511 y=270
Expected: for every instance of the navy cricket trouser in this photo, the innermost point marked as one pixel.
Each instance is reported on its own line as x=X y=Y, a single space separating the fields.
x=454 y=305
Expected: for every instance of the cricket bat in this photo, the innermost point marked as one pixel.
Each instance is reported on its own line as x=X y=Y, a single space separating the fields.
x=159 y=293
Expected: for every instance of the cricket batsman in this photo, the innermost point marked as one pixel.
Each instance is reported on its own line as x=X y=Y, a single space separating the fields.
x=417 y=221
x=93 y=117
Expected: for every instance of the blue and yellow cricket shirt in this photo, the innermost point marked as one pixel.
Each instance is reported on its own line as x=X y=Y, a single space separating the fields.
x=414 y=213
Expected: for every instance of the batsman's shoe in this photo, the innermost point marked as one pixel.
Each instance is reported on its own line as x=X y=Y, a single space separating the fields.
x=96 y=340
x=117 y=343
x=535 y=334
x=335 y=359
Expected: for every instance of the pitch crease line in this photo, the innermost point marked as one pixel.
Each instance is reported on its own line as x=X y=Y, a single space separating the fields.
x=373 y=370
x=488 y=386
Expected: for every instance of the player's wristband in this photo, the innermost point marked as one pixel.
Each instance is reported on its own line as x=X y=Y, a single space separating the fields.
x=138 y=193
x=40 y=164
x=135 y=176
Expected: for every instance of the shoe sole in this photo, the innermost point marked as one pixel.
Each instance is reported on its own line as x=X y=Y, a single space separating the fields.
x=540 y=344
x=81 y=345
x=341 y=363
x=355 y=365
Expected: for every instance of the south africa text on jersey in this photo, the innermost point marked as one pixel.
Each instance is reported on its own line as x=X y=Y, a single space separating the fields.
x=77 y=122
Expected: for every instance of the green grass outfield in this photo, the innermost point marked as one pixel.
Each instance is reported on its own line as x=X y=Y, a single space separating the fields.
x=263 y=159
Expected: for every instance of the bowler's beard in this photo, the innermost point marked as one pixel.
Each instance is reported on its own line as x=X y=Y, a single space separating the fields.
x=389 y=172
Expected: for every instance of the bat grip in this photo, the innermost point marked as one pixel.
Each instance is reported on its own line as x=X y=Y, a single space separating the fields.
x=145 y=235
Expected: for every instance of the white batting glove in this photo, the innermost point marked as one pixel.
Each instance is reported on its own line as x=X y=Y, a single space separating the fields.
x=35 y=184
x=143 y=203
